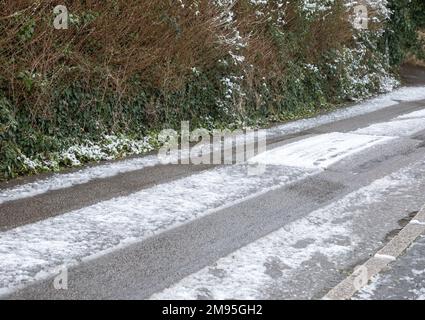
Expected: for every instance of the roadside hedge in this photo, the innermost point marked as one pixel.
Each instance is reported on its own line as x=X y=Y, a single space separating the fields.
x=125 y=70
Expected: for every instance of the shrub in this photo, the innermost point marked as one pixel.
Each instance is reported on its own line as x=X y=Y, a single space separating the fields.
x=129 y=68
x=402 y=36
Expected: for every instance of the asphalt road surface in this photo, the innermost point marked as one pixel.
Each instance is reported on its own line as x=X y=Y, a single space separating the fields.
x=331 y=192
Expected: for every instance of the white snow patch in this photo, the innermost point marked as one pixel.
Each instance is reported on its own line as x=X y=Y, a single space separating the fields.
x=67 y=180
x=418 y=272
x=417 y=222
x=367 y=292
x=319 y=151
x=385 y=257
x=396 y=128
x=416 y=114
x=419 y=293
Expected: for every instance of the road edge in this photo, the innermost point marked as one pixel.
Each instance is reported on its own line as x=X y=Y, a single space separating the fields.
x=364 y=273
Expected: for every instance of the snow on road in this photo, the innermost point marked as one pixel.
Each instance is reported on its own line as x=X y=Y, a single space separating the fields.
x=275 y=260
x=28 y=250
x=61 y=181
x=405 y=94
x=34 y=250
x=405 y=125
x=416 y=114
x=66 y=180
x=318 y=151
x=400 y=128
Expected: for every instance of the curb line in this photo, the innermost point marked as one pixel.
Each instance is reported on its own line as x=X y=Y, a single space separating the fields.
x=389 y=253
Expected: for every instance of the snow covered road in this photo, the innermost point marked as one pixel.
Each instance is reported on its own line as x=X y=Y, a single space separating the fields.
x=326 y=199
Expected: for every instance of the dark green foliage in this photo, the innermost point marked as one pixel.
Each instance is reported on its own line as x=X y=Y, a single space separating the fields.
x=401 y=36
x=9 y=152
